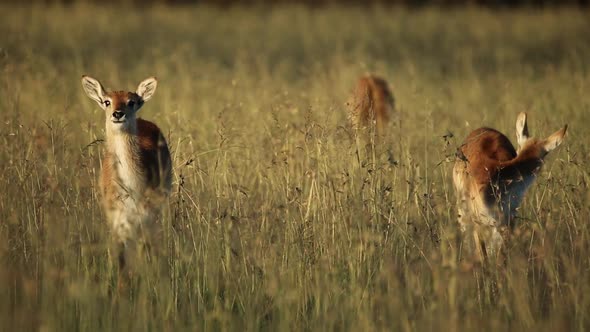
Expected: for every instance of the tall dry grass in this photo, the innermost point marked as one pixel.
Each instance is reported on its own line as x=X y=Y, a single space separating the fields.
x=278 y=221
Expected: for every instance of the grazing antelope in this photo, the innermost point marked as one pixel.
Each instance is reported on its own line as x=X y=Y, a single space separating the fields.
x=370 y=104
x=136 y=174
x=491 y=179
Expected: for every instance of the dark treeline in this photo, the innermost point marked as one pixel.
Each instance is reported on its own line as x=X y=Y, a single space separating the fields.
x=319 y=3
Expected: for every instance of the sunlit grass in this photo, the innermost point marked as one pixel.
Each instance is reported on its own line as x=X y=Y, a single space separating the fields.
x=275 y=222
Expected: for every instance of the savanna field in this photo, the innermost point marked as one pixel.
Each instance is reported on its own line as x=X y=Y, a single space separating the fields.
x=279 y=219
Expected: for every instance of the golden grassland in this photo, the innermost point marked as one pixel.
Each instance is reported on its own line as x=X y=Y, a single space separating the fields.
x=277 y=220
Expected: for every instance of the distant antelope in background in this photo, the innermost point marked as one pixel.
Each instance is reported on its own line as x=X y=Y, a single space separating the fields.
x=491 y=179
x=370 y=104
x=136 y=174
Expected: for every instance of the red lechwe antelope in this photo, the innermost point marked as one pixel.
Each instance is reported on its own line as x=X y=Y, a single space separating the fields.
x=491 y=179
x=136 y=171
x=370 y=104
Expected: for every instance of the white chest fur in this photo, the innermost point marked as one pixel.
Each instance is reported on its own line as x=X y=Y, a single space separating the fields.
x=129 y=211
x=126 y=164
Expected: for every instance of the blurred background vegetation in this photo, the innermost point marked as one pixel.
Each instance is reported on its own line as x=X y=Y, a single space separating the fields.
x=321 y=3
x=278 y=220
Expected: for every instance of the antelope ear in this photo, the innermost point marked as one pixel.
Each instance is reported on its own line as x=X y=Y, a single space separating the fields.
x=555 y=139
x=94 y=90
x=522 y=130
x=147 y=88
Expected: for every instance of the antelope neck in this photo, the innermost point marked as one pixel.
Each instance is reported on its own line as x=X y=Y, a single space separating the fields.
x=124 y=148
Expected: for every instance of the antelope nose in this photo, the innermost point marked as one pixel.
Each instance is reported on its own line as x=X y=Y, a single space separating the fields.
x=118 y=115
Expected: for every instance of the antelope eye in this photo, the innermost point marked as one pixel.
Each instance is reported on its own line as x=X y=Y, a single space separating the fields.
x=107 y=103
x=131 y=103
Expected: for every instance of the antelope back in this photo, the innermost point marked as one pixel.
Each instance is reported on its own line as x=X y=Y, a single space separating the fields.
x=370 y=101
